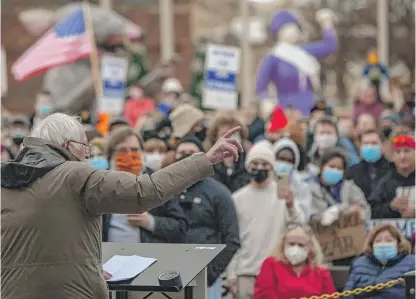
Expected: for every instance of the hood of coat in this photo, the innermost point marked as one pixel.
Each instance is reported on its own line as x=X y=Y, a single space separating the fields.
x=36 y=159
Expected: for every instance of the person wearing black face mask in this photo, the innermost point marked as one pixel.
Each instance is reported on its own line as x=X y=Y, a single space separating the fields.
x=18 y=128
x=264 y=210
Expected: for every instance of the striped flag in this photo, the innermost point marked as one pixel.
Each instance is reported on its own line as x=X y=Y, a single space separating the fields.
x=66 y=43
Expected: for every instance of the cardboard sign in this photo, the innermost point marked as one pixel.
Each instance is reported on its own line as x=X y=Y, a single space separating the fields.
x=344 y=238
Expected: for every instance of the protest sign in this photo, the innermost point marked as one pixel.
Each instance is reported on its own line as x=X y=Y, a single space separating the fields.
x=113 y=76
x=406 y=226
x=344 y=238
x=220 y=77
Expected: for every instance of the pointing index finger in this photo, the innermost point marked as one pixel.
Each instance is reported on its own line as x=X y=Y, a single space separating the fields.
x=232 y=132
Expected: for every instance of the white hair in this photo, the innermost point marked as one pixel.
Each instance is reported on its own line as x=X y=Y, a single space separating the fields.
x=59 y=128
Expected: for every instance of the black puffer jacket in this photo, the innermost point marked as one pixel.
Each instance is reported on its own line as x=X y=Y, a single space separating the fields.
x=213 y=220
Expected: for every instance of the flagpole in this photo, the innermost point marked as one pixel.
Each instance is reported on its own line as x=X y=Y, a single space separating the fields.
x=95 y=63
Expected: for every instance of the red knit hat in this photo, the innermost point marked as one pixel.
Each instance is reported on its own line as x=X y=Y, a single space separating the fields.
x=278 y=120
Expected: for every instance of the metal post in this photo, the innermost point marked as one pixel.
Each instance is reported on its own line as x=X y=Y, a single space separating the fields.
x=247 y=82
x=409 y=279
x=106 y=4
x=383 y=31
x=166 y=14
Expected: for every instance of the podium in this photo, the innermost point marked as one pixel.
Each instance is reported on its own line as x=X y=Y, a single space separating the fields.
x=190 y=260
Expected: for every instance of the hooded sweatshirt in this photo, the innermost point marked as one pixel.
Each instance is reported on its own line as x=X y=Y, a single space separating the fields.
x=302 y=189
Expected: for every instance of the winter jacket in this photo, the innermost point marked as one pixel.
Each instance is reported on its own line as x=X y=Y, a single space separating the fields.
x=277 y=280
x=255 y=129
x=350 y=195
x=213 y=220
x=367 y=270
x=374 y=110
x=51 y=208
x=385 y=192
x=233 y=178
x=170 y=223
x=366 y=175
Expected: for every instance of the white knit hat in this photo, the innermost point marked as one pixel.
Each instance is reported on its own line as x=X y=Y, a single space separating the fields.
x=261 y=150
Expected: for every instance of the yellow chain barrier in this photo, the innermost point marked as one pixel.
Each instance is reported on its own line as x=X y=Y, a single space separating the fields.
x=358 y=291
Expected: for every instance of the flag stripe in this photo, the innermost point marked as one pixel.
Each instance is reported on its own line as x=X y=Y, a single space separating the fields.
x=64 y=44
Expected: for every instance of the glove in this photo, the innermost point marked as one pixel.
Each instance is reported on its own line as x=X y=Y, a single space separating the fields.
x=330 y=215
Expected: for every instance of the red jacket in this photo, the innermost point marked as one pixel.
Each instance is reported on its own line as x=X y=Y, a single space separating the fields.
x=277 y=280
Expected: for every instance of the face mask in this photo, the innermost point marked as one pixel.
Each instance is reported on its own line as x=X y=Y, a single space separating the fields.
x=332 y=176
x=283 y=167
x=129 y=162
x=99 y=162
x=45 y=110
x=371 y=153
x=153 y=160
x=326 y=141
x=295 y=254
x=385 y=252
x=18 y=136
x=259 y=175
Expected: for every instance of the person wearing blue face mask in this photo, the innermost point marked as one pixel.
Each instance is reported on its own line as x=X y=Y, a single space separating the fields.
x=97 y=158
x=387 y=256
x=332 y=194
x=373 y=165
x=287 y=161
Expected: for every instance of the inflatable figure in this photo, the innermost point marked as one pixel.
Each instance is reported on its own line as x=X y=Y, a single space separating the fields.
x=293 y=67
x=71 y=85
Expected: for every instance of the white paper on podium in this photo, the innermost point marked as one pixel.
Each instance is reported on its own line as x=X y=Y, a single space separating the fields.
x=126 y=267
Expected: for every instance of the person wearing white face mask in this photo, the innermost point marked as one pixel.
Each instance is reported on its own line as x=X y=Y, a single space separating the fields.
x=287 y=161
x=294 y=269
x=325 y=138
x=154 y=152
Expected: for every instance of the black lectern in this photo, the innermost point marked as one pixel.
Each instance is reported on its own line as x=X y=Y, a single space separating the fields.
x=190 y=260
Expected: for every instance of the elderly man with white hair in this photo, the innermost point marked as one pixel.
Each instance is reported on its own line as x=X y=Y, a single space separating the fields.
x=52 y=202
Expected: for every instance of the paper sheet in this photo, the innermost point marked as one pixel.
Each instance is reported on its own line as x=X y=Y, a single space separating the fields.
x=126 y=267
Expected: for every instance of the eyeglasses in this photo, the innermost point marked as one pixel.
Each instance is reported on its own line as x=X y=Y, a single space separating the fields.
x=87 y=146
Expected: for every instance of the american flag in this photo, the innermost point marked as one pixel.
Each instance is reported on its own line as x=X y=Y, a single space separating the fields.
x=66 y=43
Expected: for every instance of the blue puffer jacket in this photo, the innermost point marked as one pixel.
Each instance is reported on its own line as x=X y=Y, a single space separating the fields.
x=367 y=270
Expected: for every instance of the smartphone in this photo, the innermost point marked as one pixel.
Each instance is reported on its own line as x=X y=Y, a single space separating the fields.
x=282 y=180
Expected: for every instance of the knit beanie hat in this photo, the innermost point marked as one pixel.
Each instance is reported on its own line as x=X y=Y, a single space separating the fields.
x=194 y=140
x=280 y=19
x=262 y=150
x=289 y=144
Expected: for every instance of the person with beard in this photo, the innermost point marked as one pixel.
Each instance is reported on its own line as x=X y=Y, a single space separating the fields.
x=187 y=120
x=394 y=196
x=164 y=224
x=373 y=165
x=18 y=128
x=212 y=216
x=263 y=211
x=232 y=174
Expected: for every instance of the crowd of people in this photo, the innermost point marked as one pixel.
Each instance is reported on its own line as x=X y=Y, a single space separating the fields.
x=335 y=163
